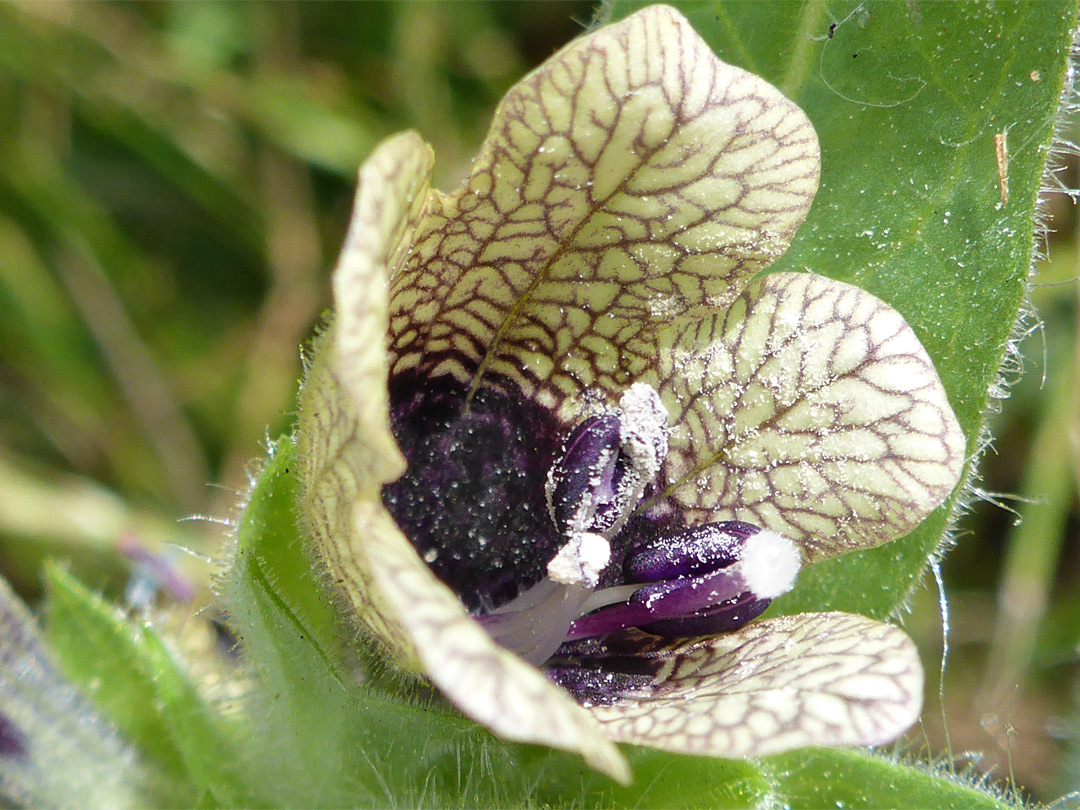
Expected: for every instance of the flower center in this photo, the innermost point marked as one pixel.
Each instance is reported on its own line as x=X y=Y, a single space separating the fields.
x=544 y=547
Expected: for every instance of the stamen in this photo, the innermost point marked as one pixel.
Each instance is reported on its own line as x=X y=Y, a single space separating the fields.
x=539 y=621
x=696 y=550
x=765 y=569
x=592 y=489
x=581 y=560
x=722 y=618
x=582 y=482
x=769 y=564
x=643 y=431
x=595 y=485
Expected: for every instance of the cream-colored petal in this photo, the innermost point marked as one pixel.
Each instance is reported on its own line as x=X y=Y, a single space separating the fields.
x=346 y=448
x=816 y=679
x=485 y=681
x=348 y=452
x=632 y=179
x=812 y=409
x=390 y=201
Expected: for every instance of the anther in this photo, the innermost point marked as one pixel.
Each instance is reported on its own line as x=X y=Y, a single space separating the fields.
x=605 y=465
x=705 y=579
x=582 y=484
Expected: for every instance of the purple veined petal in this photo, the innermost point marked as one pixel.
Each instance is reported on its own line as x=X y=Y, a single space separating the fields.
x=819 y=679
x=811 y=409
x=633 y=180
x=348 y=452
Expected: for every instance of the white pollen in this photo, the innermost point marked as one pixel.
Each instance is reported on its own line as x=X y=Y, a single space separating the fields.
x=595 y=551
x=581 y=560
x=769 y=564
x=643 y=429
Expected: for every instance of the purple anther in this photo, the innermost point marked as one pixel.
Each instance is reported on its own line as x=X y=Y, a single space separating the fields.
x=724 y=598
x=696 y=550
x=583 y=485
x=606 y=464
x=723 y=618
x=672 y=599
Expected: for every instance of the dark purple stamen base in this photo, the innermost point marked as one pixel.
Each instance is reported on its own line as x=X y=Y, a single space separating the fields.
x=706 y=601
x=595 y=685
x=601 y=671
x=689 y=551
x=723 y=618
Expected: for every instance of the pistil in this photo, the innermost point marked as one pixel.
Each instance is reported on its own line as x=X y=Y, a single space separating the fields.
x=535 y=624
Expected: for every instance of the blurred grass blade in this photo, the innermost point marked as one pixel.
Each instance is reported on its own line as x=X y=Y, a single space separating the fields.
x=85 y=239
x=75 y=519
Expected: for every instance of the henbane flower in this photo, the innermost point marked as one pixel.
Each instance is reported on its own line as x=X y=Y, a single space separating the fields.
x=562 y=443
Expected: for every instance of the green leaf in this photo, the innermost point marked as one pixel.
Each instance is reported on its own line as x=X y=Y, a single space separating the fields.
x=271 y=562
x=840 y=778
x=141 y=685
x=907 y=100
x=811 y=778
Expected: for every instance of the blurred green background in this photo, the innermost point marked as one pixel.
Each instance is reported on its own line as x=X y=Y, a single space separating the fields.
x=175 y=180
